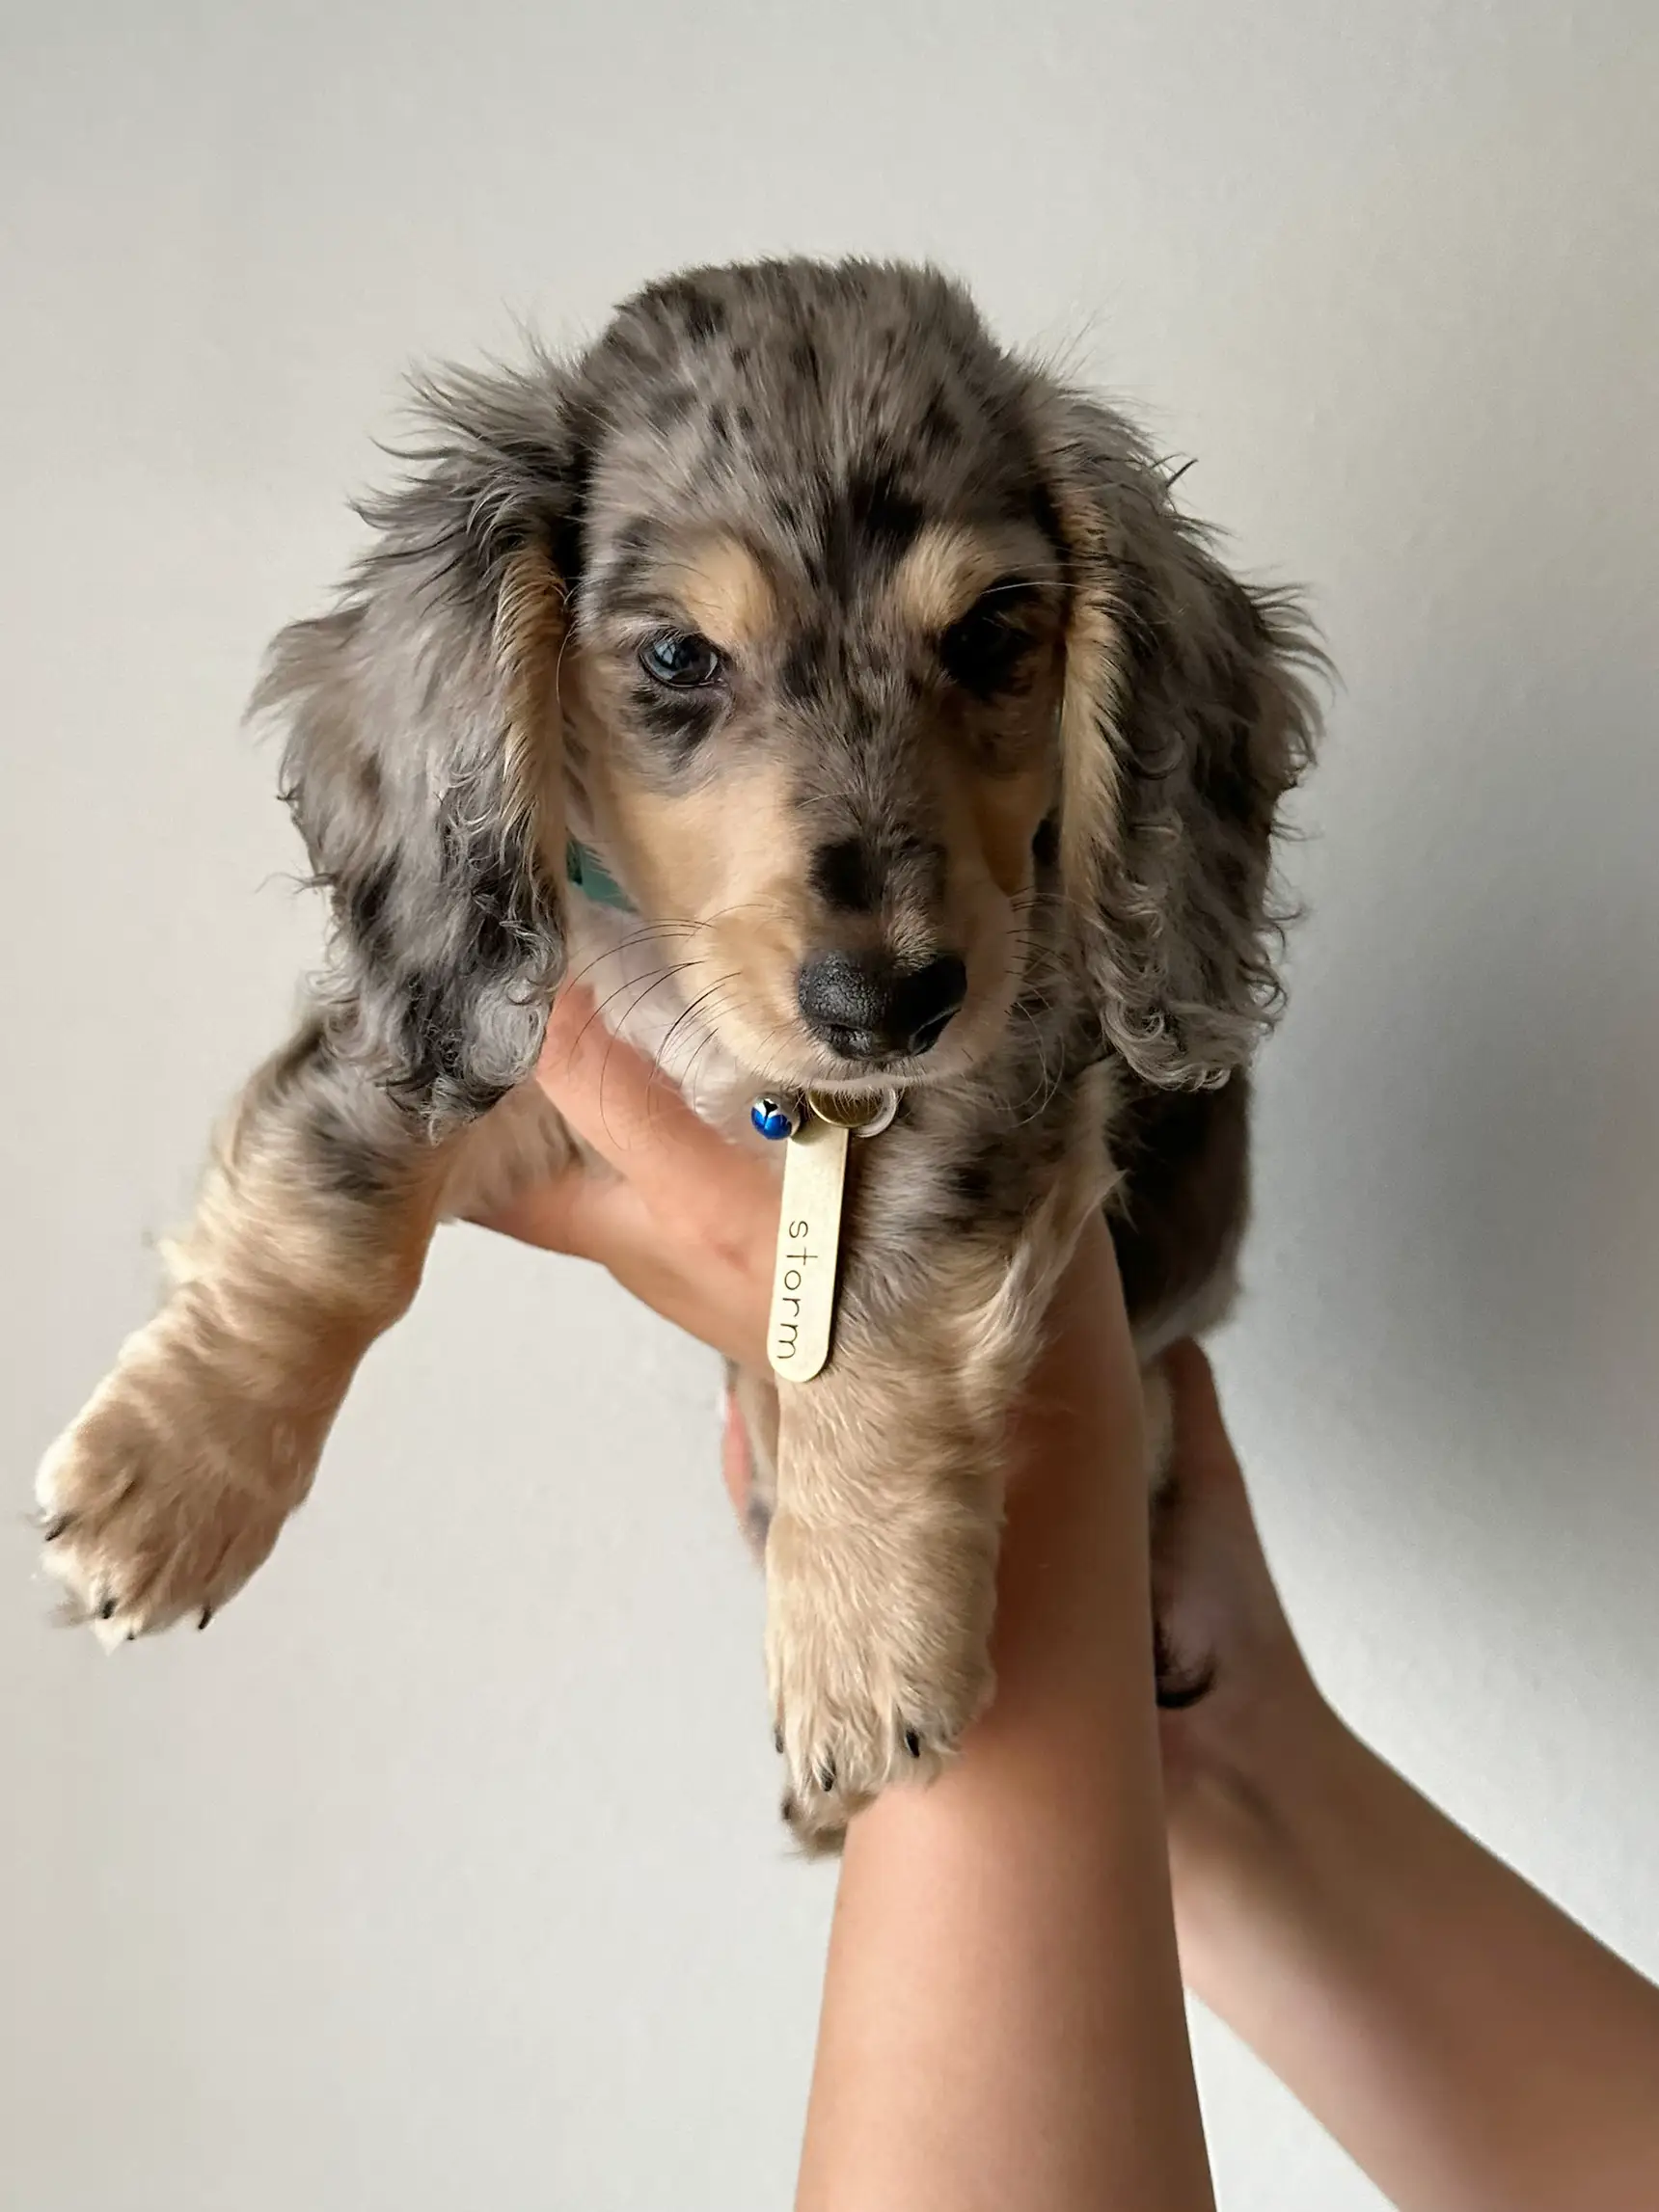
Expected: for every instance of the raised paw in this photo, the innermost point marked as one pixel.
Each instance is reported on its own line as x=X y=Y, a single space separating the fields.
x=159 y=1501
x=878 y=1659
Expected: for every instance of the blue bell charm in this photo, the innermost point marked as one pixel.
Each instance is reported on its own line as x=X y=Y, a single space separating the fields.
x=776 y=1118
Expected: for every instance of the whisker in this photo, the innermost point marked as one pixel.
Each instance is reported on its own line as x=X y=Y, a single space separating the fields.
x=1036 y=579
x=627 y=984
x=688 y=1079
x=569 y=632
x=663 y=976
x=780 y=1028
x=701 y=1001
x=635 y=937
x=1047 y=1087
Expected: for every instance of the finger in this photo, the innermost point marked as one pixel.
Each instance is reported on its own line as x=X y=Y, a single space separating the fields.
x=637 y=1121
x=1206 y=1481
x=1200 y=1430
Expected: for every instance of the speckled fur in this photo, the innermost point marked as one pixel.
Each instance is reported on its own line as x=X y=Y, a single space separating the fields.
x=1095 y=829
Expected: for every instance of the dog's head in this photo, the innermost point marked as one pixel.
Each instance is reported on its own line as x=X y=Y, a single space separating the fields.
x=868 y=659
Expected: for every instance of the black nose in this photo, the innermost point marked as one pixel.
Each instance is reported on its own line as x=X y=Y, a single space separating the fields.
x=865 y=1007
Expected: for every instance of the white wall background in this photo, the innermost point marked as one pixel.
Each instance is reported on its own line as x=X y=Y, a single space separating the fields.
x=368 y=1898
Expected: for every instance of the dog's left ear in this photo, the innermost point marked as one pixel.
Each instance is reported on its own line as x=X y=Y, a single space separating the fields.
x=1186 y=717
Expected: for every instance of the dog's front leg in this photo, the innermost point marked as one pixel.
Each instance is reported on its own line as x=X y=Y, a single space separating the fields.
x=308 y=1241
x=881 y=1565
x=882 y=1553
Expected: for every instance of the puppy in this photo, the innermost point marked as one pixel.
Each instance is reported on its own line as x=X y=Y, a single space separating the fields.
x=928 y=749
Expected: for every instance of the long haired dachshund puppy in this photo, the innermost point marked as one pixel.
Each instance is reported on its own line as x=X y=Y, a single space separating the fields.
x=930 y=749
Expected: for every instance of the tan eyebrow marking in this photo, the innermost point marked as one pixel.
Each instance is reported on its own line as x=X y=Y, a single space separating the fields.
x=942 y=574
x=726 y=592
x=951 y=564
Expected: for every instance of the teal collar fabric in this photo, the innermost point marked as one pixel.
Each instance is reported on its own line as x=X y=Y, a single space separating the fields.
x=593 y=879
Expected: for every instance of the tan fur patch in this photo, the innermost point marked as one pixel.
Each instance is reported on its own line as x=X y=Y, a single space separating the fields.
x=726 y=592
x=1089 y=709
x=1089 y=769
x=942 y=576
x=951 y=564
x=1006 y=813
x=702 y=848
x=529 y=631
x=730 y=858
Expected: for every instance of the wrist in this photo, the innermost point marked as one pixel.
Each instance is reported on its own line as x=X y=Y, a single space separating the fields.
x=1248 y=1815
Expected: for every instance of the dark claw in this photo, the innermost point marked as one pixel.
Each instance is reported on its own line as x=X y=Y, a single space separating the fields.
x=207 y=1616
x=827 y=1776
x=132 y=1636
x=55 y=1528
x=106 y=1611
x=912 y=1743
x=778 y=1742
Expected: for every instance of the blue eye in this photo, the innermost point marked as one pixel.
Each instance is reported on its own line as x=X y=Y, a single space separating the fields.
x=680 y=658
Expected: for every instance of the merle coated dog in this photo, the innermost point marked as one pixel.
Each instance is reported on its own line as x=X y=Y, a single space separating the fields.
x=933 y=750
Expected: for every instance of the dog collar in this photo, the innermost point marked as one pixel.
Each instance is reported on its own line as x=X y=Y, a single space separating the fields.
x=593 y=879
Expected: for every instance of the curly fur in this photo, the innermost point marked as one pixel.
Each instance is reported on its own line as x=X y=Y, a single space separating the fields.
x=1207 y=720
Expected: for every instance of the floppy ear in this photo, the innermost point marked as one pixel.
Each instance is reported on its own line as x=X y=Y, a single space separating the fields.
x=422 y=760
x=1186 y=717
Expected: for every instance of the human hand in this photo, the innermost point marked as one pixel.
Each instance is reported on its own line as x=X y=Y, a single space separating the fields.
x=683 y=1219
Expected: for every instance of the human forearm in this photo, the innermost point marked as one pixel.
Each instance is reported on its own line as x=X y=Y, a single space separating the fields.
x=1470 y=2046
x=1002 y=2020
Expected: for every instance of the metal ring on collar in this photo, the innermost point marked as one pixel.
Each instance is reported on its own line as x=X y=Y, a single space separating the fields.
x=865 y=1115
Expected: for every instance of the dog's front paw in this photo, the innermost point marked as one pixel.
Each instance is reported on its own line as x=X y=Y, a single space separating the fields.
x=878 y=1659
x=159 y=1501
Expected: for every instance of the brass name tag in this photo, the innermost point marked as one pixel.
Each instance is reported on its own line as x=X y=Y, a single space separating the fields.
x=808 y=1242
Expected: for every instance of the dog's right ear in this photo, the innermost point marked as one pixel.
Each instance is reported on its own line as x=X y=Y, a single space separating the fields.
x=1188 y=716
x=423 y=758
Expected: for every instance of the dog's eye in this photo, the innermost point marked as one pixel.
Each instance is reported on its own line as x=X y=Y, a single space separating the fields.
x=983 y=649
x=680 y=658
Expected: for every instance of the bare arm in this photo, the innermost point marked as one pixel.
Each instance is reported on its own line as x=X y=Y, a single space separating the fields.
x=1002 y=2018
x=1471 y=2047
